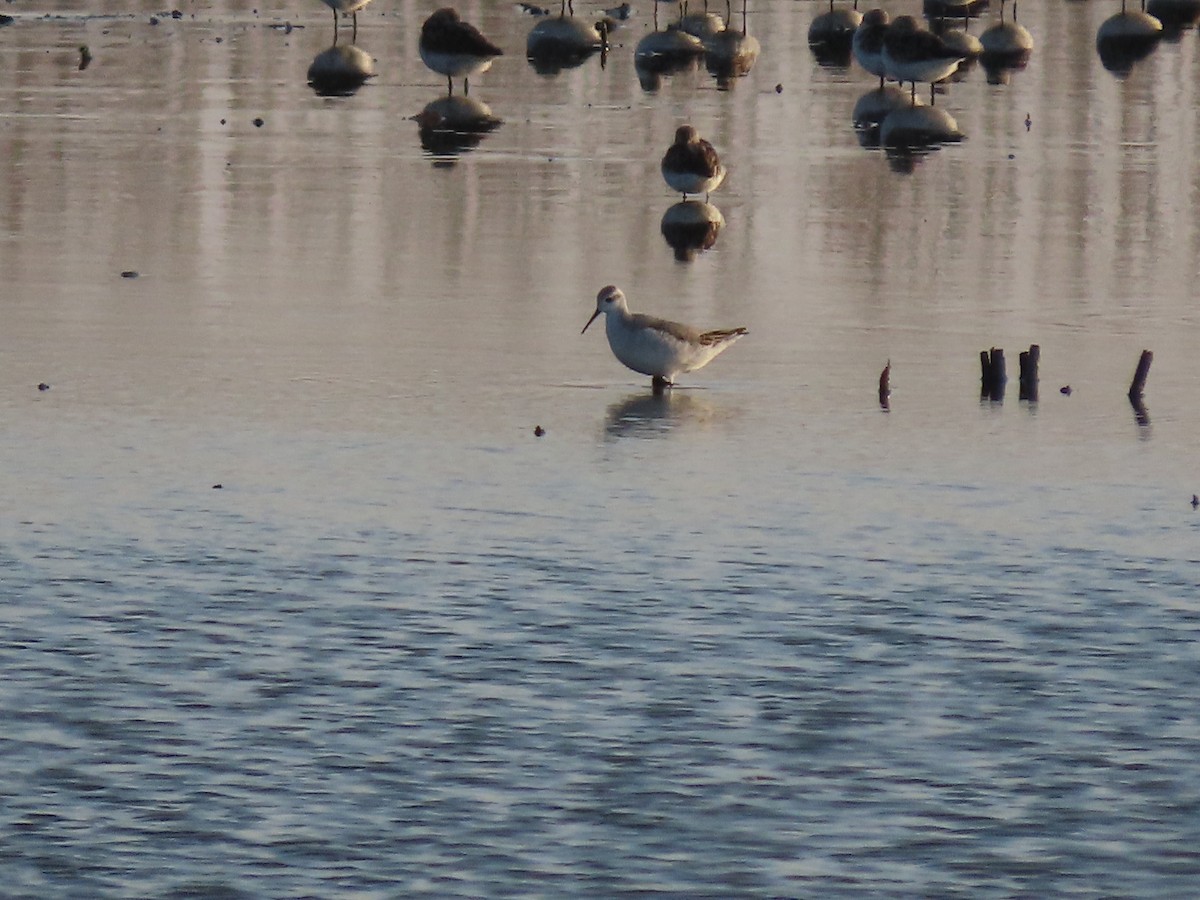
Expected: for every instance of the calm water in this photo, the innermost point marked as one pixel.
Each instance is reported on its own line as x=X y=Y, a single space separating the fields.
x=756 y=638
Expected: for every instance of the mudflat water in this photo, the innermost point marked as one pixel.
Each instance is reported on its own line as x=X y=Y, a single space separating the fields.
x=756 y=638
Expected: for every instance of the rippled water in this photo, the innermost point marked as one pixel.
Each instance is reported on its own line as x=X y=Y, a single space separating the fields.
x=296 y=604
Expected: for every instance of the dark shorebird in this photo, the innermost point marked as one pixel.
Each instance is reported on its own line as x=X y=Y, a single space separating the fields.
x=455 y=48
x=691 y=165
x=657 y=347
x=867 y=43
x=910 y=53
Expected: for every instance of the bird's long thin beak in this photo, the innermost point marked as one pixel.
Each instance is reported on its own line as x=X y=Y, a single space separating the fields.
x=591 y=320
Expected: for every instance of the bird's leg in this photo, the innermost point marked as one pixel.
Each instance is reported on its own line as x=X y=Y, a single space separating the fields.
x=449 y=86
x=466 y=87
x=354 y=29
x=658 y=384
x=335 y=26
x=932 y=94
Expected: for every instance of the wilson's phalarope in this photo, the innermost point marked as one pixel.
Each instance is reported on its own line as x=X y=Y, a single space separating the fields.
x=867 y=43
x=653 y=346
x=910 y=53
x=452 y=47
x=691 y=165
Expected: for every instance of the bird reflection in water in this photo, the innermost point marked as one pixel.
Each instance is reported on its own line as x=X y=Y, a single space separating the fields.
x=730 y=53
x=690 y=227
x=1127 y=38
x=663 y=53
x=655 y=415
x=1007 y=46
x=453 y=125
x=831 y=33
x=564 y=42
x=340 y=71
x=872 y=108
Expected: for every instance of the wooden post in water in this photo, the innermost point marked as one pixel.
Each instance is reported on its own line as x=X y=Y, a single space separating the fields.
x=1140 y=376
x=1029 y=373
x=994 y=375
x=1138 y=386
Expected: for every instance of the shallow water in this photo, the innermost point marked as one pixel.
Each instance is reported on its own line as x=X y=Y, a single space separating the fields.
x=755 y=638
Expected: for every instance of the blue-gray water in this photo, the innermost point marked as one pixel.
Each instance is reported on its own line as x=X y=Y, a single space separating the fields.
x=757 y=638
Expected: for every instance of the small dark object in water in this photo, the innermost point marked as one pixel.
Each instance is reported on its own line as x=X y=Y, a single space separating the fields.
x=176 y=14
x=154 y=20
x=222 y=121
x=259 y=123
x=779 y=88
x=532 y=10
x=1028 y=121
x=217 y=487
x=538 y=431
x=885 y=386
x=1195 y=501
x=1065 y=390
x=129 y=273
x=85 y=57
x=42 y=386
x=6 y=20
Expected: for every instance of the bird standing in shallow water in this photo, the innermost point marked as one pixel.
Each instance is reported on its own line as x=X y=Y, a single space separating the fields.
x=691 y=165
x=653 y=346
x=345 y=6
x=452 y=47
x=867 y=43
x=910 y=53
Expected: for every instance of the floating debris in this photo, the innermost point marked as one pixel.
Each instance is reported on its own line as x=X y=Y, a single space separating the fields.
x=538 y=431
x=42 y=386
x=1065 y=390
x=85 y=57
x=259 y=123
x=129 y=273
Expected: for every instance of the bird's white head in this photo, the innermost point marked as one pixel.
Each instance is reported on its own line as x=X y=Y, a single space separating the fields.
x=609 y=298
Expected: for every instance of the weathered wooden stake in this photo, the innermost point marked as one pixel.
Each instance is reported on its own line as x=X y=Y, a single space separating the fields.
x=994 y=375
x=1140 y=414
x=885 y=389
x=1139 y=377
x=1029 y=373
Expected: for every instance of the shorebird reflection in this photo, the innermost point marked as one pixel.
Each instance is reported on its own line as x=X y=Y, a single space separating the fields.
x=731 y=53
x=1127 y=38
x=340 y=70
x=565 y=42
x=645 y=415
x=452 y=125
x=691 y=226
x=830 y=35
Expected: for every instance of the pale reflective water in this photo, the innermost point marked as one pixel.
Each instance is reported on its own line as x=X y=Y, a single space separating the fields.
x=755 y=638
